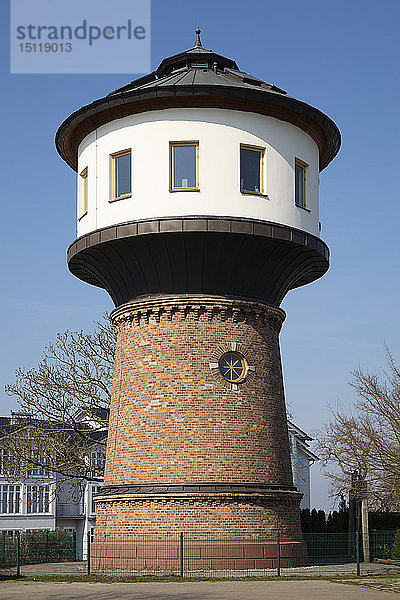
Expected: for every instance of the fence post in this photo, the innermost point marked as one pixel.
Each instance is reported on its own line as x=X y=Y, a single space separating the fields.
x=18 y=554
x=88 y=553
x=278 y=554
x=358 y=553
x=3 y=552
x=47 y=546
x=181 y=553
x=74 y=546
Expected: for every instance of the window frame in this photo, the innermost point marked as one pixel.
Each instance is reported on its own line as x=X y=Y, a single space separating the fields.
x=14 y=496
x=261 y=150
x=113 y=166
x=84 y=192
x=93 y=491
x=38 y=496
x=304 y=166
x=172 y=145
x=242 y=366
x=92 y=533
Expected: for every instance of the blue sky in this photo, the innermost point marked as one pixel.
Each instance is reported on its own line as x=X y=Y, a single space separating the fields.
x=339 y=56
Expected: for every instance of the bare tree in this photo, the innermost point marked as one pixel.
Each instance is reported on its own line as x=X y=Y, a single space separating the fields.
x=367 y=440
x=64 y=404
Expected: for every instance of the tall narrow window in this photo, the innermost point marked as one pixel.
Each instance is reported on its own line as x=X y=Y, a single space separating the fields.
x=121 y=170
x=184 y=166
x=300 y=183
x=95 y=490
x=251 y=169
x=83 y=206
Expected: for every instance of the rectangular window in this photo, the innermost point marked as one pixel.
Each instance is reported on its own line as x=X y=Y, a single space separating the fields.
x=300 y=183
x=38 y=469
x=83 y=207
x=184 y=166
x=5 y=462
x=121 y=169
x=95 y=490
x=10 y=498
x=11 y=533
x=251 y=169
x=37 y=499
x=97 y=463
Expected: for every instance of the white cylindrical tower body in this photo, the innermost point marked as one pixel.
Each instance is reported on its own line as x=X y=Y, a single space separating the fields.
x=220 y=134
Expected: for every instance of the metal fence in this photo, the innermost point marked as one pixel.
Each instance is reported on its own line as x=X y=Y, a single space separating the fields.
x=36 y=547
x=381 y=545
x=185 y=555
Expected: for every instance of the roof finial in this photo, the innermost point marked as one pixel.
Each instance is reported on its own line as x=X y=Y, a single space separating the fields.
x=198 y=41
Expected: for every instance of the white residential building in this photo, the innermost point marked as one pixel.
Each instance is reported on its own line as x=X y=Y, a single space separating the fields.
x=40 y=501
x=302 y=458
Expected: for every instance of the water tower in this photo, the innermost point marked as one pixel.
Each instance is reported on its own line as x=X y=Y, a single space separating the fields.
x=197 y=213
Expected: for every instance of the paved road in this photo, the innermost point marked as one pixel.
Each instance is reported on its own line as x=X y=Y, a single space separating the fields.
x=260 y=590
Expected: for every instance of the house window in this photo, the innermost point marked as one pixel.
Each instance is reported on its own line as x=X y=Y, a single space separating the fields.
x=92 y=532
x=37 y=499
x=5 y=462
x=184 y=166
x=83 y=206
x=300 y=183
x=121 y=175
x=97 y=463
x=95 y=490
x=251 y=169
x=39 y=467
x=11 y=533
x=10 y=498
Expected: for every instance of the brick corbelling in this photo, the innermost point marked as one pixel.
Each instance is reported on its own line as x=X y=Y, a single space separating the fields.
x=201 y=307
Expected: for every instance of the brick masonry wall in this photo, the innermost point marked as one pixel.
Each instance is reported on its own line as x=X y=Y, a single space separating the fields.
x=174 y=419
x=234 y=516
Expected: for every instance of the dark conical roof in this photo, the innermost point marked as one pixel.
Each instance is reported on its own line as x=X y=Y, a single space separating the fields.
x=198 y=78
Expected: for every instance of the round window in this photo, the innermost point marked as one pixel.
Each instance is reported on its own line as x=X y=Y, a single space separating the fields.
x=232 y=367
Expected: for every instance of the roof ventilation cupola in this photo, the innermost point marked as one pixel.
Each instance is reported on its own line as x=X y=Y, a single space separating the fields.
x=196 y=57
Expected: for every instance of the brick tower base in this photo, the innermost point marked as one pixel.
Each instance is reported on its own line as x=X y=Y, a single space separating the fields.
x=191 y=452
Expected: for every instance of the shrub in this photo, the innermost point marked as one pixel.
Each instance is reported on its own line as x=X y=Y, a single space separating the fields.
x=396 y=545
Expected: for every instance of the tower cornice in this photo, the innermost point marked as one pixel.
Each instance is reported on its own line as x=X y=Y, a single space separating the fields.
x=226 y=256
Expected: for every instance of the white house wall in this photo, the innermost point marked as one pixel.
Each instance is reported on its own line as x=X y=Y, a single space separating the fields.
x=219 y=133
x=301 y=476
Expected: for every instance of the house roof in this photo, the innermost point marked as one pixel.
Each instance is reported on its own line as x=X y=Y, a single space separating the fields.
x=302 y=440
x=19 y=421
x=198 y=78
x=299 y=432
